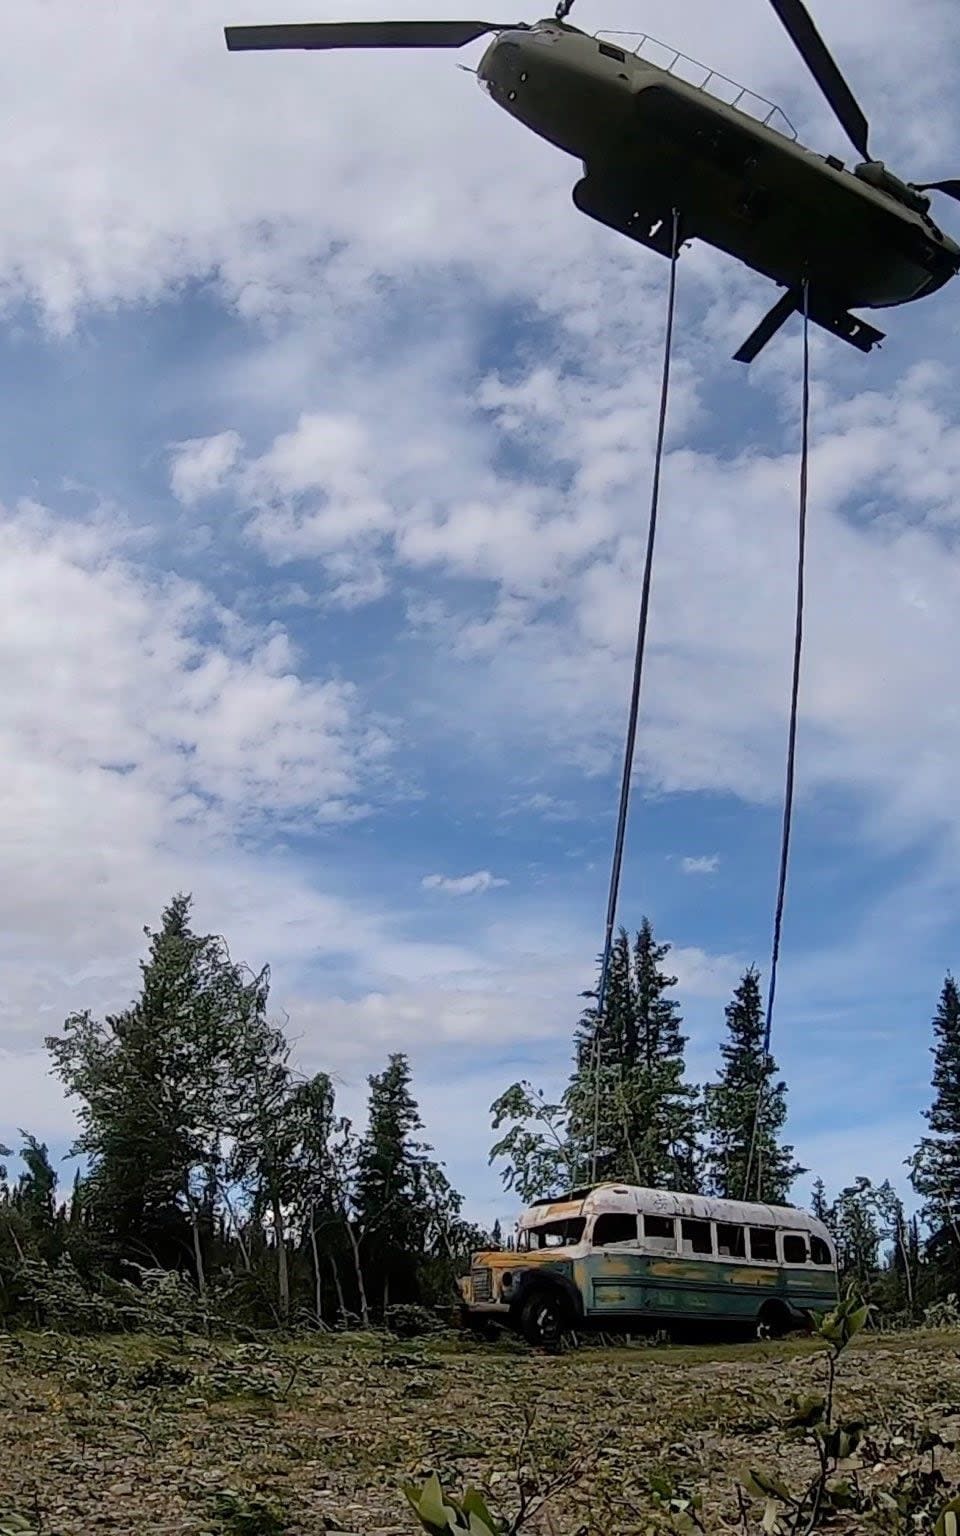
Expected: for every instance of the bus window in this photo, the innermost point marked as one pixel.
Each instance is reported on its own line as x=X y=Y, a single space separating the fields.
x=819 y=1252
x=614 y=1227
x=794 y=1248
x=731 y=1241
x=763 y=1243
x=660 y=1232
x=696 y=1236
x=554 y=1234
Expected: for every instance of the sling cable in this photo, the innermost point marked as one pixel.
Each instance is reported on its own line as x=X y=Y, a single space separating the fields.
x=753 y=1170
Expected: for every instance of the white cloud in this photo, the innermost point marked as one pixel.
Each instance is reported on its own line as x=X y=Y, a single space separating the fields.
x=549 y=807
x=462 y=885
x=702 y=864
x=200 y=466
x=144 y=731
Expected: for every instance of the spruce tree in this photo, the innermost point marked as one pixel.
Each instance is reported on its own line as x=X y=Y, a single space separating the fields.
x=645 y=1112
x=746 y=1095
x=819 y=1204
x=37 y=1185
x=858 y=1233
x=936 y=1161
x=400 y=1190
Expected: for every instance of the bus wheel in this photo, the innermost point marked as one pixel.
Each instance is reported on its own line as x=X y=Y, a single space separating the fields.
x=542 y=1318
x=773 y=1321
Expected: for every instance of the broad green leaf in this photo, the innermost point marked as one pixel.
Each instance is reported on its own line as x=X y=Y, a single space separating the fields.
x=477 y=1527
x=428 y=1502
x=475 y=1505
x=808 y=1411
x=766 y=1485
x=842 y=1494
x=948 y=1523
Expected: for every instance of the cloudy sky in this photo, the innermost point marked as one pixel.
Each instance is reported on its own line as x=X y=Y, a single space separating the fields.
x=324 y=465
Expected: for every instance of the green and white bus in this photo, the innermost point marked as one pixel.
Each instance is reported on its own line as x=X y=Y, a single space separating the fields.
x=617 y=1256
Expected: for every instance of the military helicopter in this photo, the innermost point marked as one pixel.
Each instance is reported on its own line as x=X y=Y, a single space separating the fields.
x=651 y=143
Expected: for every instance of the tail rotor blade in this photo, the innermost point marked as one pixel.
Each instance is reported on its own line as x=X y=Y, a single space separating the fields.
x=360 y=34
x=818 y=59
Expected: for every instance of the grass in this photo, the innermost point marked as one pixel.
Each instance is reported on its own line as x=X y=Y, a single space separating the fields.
x=321 y=1434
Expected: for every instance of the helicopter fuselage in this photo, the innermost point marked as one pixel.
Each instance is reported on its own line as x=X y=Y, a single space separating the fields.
x=650 y=143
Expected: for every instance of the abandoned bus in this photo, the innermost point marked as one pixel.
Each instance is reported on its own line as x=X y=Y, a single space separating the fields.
x=616 y=1256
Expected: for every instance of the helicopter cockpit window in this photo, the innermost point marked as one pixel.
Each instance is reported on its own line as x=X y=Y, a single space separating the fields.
x=611 y=52
x=553 y=1234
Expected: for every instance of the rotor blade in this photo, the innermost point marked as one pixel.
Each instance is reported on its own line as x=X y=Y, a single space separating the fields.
x=798 y=22
x=359 y=34
x=952 y=188
x=768 y=327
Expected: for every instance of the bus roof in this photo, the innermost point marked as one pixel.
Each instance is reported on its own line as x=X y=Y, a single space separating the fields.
x=664 y=1202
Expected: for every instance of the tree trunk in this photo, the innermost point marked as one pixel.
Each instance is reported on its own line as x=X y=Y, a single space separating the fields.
x=358 y=1270
x=241 y=1244
x=197 y=1247
x=908 y=1273
x=283 y=1268
x=341 y=1300
x=317 y=1288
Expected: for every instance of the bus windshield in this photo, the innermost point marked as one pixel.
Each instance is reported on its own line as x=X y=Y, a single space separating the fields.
x=553 y=1234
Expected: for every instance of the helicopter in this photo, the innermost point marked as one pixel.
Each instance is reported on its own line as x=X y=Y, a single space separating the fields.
x=665 y=162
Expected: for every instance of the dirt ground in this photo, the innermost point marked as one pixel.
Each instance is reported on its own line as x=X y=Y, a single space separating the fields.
x=153 y=1436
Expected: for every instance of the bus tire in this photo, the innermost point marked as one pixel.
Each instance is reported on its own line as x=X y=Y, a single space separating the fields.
x=543 y=1317
x=773 y=1320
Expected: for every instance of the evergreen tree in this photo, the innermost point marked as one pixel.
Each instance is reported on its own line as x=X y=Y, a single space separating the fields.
x=36 y=1188
x=745 y=1110
x=858 y=1233
x=263 y=1124
x=935 y=1170
x=152 y=1085
x=402 y=1198
x=496 y=1236
x=628 y=1089
x=819 y=1204
x=315 y=1198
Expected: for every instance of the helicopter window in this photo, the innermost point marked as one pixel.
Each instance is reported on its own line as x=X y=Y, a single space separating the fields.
x=612 y=53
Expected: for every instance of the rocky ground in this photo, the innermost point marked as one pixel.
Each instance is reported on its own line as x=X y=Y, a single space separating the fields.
x=157 y=1436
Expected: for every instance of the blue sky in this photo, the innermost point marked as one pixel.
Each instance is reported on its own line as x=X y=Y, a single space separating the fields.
x=324 y=468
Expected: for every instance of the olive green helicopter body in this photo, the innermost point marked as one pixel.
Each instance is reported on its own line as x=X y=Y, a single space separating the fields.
x=652 y=145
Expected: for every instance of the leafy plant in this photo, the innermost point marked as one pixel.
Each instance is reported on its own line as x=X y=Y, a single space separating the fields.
x=440 y=1513
x=813 y=1418
x=943 y=1314
x=914 y=1503
x=237 y=1513
x=409 y=1321
x=556 y=1465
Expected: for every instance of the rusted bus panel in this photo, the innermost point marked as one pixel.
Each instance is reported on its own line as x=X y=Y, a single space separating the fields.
x=770 y=1277
x=675 y=1269
x=564 y=1210
x=501 y=1259
x=634 y=1284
